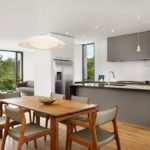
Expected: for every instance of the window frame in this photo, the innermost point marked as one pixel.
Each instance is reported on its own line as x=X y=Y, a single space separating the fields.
x=16 y=52
x=84 y=58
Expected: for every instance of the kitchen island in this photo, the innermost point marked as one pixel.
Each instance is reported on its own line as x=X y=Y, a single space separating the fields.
x=133 y=99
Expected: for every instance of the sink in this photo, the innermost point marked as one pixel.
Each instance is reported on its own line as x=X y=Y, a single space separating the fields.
x=117 y=84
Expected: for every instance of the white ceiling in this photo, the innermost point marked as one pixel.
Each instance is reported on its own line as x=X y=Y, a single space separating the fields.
x=20 y=19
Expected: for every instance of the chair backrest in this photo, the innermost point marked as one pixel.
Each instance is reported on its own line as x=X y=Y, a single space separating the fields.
x=10 y=95
x=59 y=96
x=106 y=115
x=30 y=84
x=80 y=99
x=15 y=114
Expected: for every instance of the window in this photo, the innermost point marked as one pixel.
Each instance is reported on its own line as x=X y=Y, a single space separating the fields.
x=88 y=61
x=11 y=69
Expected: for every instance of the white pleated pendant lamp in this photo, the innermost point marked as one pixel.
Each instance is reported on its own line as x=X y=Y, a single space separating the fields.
x=43 y=42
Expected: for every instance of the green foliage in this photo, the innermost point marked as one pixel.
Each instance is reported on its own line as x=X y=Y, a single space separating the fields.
x=90 y=68
x=7 y=74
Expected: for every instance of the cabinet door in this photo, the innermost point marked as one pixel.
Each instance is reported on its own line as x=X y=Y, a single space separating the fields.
x=123 y=48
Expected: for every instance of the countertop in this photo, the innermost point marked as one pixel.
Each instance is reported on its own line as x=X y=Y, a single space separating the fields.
x=145 y=87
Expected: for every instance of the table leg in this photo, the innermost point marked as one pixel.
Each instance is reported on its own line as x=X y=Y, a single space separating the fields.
x=54 y=144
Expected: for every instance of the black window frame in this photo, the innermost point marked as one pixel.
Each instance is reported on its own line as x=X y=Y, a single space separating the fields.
x=84 y=58
x=16 y=55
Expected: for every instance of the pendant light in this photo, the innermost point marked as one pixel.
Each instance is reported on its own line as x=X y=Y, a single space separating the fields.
x=138 y=34
x=43 y=42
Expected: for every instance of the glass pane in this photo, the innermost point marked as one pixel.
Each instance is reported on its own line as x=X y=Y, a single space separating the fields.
x=88 y=62
x=19 y=67
x=7 y=70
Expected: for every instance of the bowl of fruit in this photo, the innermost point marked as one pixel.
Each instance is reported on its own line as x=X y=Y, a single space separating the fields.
x=47 y=100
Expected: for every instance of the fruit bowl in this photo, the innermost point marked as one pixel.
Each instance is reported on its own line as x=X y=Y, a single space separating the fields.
x=47 y=100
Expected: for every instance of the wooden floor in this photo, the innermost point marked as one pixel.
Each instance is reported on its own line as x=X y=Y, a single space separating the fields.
x=132 y=138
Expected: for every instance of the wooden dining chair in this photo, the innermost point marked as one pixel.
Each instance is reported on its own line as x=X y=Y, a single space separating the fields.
x=13 y=95
x=79 y=99
x=3 y=121
x=24 y=132
x=43 y=115
x=93 y=136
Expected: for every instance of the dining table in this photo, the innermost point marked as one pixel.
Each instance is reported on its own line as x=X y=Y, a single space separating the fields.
x=58 y=110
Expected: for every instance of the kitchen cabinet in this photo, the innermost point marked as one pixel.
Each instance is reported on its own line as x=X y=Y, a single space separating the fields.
x=123 y=48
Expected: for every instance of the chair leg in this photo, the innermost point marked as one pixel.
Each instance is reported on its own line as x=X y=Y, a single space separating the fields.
x=33 y=116
x=3 y=141
x=46 y=125
x=30 y=116
x=35 y=144
x=19 y=144
x=116 y=135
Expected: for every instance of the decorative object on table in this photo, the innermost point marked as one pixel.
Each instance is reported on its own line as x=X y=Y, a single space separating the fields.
x=47 y=100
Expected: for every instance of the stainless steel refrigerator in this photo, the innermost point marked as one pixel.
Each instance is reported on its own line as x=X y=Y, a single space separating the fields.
x=63 y=76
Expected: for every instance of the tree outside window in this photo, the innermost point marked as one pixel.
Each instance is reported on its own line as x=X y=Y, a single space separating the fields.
x=10 y=64
x=88 y=61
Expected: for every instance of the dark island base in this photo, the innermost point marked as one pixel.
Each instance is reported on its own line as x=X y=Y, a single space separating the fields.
x=134 y=105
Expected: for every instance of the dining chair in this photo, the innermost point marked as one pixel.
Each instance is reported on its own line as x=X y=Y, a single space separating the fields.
x=43 y=115
x=24 y=132
x=94 y=136
x=79 y=99
x=13 y=95
x=3 y=120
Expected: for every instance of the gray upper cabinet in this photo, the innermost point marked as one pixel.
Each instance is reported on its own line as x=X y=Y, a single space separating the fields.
x=123 y=48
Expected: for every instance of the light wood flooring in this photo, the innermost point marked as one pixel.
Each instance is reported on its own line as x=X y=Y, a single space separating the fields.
x=132 y=138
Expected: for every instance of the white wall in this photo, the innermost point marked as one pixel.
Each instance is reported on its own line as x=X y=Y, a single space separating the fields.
x=42 y=72
x=131 y=70
x=28 y=66
x=78 y=63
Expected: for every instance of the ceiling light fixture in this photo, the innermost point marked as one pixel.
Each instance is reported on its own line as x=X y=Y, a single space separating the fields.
x=83 y=36
x=67 y=33
x=96 y=27
x=112 y=30
x=43 y=42
x=138 y=34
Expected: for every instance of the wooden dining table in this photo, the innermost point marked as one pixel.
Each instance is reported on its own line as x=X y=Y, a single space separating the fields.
x=57 y=111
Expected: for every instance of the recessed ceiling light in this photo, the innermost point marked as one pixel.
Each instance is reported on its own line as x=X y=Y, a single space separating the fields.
x=83 y=36
x=112 y=30
x=67 y=33
x=96 y=27
x=139 y=16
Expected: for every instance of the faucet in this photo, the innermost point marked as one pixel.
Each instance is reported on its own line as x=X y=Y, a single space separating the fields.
x=110 y=72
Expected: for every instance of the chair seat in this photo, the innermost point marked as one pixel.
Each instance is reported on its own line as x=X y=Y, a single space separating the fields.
x=31 y=129
x=103 y=136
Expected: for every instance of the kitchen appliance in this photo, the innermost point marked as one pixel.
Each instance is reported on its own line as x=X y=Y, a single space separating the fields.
x=63 y=76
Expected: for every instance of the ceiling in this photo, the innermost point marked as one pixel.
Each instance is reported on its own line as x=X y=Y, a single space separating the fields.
x=86 y=20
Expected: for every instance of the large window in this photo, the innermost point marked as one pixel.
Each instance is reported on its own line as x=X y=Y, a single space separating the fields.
x=88 y=61
x=11 y=69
